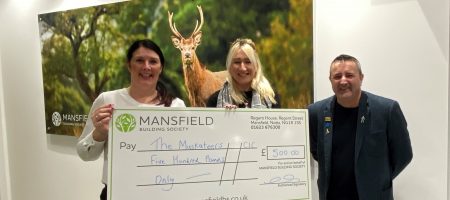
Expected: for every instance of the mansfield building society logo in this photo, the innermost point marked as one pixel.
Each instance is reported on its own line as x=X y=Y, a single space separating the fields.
x=56 y=119
x=67 y=119
x=125 y=122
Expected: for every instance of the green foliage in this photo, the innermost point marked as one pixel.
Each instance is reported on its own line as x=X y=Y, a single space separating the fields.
x=288 y=55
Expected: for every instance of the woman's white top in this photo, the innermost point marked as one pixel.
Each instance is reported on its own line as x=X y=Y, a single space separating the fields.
x=88 y=149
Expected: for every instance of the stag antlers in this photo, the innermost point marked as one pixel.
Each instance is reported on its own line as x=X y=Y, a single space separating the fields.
x=197 y=28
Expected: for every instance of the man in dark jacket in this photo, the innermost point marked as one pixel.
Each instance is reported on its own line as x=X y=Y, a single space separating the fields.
x=359 y=139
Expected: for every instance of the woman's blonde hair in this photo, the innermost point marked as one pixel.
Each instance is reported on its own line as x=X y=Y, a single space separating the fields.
x=259 y=83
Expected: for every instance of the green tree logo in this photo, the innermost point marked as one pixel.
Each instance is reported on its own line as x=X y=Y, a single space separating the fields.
x=125 y=123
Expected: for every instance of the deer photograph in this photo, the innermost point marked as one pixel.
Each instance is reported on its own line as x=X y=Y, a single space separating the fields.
x=83 y=50
x=200 y=82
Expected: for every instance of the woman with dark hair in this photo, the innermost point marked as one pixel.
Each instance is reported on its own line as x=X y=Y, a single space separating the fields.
x=145 y=62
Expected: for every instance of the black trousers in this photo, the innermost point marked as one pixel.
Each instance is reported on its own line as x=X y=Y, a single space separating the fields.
x=103 y=194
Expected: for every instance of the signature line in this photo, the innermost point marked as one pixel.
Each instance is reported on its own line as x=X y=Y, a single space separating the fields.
x=199 y=175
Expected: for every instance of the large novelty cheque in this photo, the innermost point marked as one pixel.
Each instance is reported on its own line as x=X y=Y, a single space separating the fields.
x=209 y=154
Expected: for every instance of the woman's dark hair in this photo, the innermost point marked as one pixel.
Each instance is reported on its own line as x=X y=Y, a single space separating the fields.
x=147 y=44
x=165 y=96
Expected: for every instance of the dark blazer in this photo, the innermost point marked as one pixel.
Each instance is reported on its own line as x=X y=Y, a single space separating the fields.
x=382 y=145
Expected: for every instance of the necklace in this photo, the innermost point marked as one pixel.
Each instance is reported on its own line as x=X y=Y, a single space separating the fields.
x=145 y=99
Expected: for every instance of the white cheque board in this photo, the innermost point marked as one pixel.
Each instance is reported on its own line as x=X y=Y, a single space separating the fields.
x=209 y=154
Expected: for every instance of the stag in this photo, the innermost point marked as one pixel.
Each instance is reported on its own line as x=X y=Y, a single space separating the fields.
x=199 y=81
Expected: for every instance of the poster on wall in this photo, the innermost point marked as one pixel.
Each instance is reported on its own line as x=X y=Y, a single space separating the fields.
x=83 y=49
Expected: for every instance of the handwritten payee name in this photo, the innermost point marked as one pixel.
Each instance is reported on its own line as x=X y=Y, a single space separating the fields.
x=183 y=144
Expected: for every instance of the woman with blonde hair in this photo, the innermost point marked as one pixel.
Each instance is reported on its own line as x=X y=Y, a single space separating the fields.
x=246 y=85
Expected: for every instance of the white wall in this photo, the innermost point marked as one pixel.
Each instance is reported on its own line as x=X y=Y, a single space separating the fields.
x=403 y=46
x=4 y=170
x=41 y=166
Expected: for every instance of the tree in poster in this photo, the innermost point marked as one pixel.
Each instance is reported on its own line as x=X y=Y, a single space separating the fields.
x=74 y=57
x=288 y=54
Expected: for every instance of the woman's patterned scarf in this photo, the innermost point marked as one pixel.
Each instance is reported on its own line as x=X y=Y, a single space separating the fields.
x=224 y=98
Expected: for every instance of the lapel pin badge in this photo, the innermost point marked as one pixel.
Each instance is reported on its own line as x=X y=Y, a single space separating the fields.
x=327 y=125
x=363 y=119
